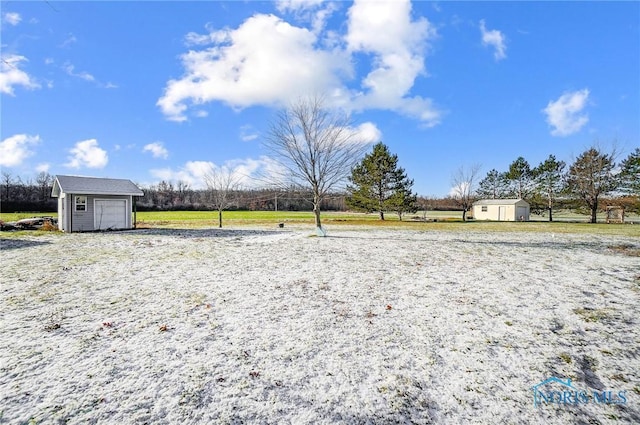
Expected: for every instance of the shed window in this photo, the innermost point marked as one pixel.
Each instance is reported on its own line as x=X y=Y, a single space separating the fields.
x=484 y=208
x=80 y=203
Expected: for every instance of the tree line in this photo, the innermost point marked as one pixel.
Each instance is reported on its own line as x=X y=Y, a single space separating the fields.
x=378 y=185
x=318 y=150
x=30 y=194
x=34 y=195
x=583 y=184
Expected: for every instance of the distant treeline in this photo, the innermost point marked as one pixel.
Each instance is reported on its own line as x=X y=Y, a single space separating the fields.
x=167 y=196
x=17 y=195
x=34 y=195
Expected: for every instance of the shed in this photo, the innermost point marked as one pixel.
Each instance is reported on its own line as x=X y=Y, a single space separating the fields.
x=91 y=203
x=501 y=210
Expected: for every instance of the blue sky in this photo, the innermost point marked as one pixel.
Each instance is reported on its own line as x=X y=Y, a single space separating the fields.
x=164 y=90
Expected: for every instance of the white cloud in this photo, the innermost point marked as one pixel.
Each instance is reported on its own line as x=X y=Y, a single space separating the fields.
x=195 y=39
x=193 y=172
x=70 y=70
x=249 y=172
x=459 y=190
x=15 y=149
x=294 y=61
x=247 y=133
x=315 y=12
x=71 y=39
x=12 y=18
x=43 y=167
x=87 y=153
x=564 y=115
x=233 y=71
x=248 y=137
x=83 y=75
x=157 y=149
x=295 y=5
x=366 y=133
x=11 y=75
x=495 y=39
x=398 y=43
x=254 y=173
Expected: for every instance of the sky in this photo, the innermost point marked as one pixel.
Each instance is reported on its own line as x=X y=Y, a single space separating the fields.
x=153 y=91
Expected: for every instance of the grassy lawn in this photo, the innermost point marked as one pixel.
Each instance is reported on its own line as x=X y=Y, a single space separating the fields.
x=446 y=221
x=9 y=217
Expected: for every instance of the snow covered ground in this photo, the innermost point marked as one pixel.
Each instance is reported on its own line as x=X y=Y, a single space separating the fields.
x=274 y=326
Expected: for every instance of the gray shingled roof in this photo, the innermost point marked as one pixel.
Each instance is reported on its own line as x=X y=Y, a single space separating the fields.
x=94 y=186
x=497 y=201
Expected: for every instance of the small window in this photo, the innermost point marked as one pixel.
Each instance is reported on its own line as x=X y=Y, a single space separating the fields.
x=81 y=203
x=484 y=208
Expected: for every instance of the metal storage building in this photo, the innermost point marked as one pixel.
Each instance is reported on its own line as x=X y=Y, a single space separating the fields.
x=92 y=203
x=501 y=210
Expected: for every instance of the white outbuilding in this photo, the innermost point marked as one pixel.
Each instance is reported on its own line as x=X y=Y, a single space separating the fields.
x=89 y=203
x=501 y=210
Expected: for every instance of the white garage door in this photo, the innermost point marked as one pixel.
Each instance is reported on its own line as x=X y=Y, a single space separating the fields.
x=110 y=214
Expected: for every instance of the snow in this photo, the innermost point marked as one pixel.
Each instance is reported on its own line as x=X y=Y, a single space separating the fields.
x=279 y=326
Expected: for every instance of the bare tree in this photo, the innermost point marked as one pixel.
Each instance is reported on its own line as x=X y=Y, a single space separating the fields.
x=221 y=184
x=7 y=182
x=44 y=181
x=166 y=193
x=182 y=189
x=316 y=147
x=463 y=190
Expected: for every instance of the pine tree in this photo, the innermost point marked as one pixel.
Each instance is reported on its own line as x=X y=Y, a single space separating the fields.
x=549 y=180
x=520 y=178
x=378 y=184
x=404 y=201
x=630 y=175
x=590 y=176
x=493 y=186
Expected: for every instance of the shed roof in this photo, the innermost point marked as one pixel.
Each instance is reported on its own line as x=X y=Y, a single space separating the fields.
x=94 y=186
x=499 y=202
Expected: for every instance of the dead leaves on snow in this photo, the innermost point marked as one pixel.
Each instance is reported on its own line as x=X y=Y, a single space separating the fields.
x=626 y=249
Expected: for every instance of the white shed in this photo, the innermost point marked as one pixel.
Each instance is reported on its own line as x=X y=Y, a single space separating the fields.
x=91 y=203
x=501 y=210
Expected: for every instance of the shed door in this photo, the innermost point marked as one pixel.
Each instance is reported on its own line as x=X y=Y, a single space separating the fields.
x=502 y=213
x=110 y=214
x=522 y=213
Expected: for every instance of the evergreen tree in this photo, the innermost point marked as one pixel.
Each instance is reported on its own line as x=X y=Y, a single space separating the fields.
x=520 y=178
x=630 y=175
x=404 y=201
x=493 y=186
x=590 y=176
x=378 y=184
x=549 y=180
